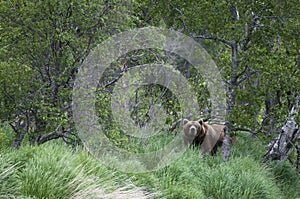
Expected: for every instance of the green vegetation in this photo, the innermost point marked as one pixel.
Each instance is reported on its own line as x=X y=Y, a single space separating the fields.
x=54 y=170
x=244 y=176
x=57 y=171
x=43 y=44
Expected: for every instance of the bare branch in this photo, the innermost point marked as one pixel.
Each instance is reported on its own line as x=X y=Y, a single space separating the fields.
x=174 y=126
x=50 y=137
x=242 y=73
x=211 y=37
x=246 y=77
x=112 y=81
x=181 y=19
x=245 y=130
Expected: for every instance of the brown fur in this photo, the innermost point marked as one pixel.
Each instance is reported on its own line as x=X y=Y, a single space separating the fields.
x=210 y=137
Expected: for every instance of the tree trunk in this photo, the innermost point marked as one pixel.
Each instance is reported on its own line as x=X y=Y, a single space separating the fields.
x=226 y=145
x=20 y=126
x=231 y=89
x=286 y=141
x=18 y=140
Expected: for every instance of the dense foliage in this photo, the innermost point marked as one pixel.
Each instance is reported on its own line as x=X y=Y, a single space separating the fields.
x=254 y=44
x=42 y=45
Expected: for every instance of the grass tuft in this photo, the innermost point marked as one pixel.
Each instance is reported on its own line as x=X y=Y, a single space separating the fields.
x=8 y=178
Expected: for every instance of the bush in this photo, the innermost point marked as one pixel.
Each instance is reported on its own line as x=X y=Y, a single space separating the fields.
x=6 y=135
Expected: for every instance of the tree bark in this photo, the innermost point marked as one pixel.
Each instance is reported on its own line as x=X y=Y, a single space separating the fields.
x=18 y=140
x=20 y=126
x=286 y=141
x=226 y=145
x=49 y=137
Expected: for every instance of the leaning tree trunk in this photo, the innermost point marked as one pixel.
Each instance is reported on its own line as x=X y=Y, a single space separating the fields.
x=286 y=141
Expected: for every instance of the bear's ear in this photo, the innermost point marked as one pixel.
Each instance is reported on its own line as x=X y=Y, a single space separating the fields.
x=200 y=122
x=185 y=121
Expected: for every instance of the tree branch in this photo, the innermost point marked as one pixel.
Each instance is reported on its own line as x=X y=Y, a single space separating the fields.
x=181 y=19
x=245 y=78
x=244 y=129
x=49 y=137
x=211 y=37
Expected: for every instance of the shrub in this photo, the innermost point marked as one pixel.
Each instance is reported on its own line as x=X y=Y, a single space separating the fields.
x=6 y=135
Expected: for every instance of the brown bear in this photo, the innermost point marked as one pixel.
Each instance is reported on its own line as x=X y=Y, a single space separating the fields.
x=210 y=137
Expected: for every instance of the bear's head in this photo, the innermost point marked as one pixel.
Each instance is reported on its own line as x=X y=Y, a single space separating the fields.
x=192 y=128
x=210 y=137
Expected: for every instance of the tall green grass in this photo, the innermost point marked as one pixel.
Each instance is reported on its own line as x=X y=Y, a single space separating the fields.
x=8 y=178
x=205 y=177
x=245 y=175
x=287 y=178
x=54 y=170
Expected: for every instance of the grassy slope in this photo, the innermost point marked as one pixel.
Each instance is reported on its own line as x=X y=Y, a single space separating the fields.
x=56 y=171
x=244 y=176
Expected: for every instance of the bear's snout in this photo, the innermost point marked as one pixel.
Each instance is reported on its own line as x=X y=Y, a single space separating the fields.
x=193 y=130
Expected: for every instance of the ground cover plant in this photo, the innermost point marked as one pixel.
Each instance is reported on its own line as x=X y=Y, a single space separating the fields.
x=55 y=170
